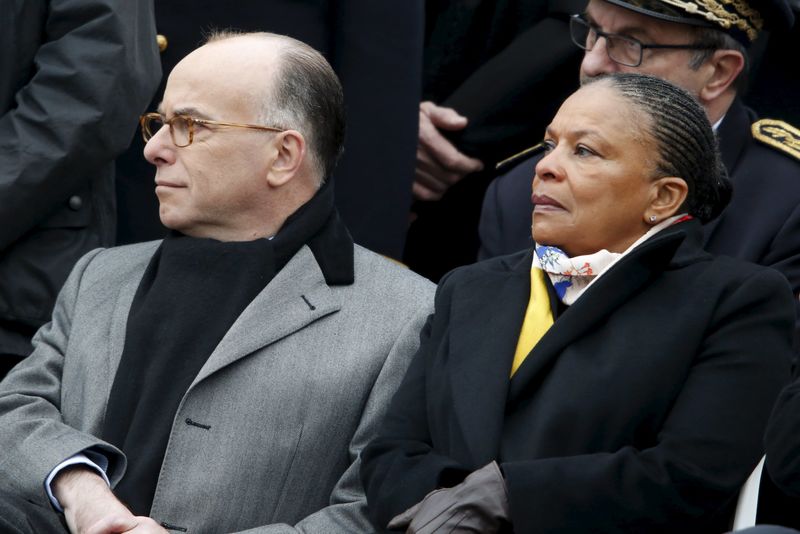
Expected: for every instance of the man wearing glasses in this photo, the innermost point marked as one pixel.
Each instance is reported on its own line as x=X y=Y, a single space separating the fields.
x=225 y=378
x=701 y=45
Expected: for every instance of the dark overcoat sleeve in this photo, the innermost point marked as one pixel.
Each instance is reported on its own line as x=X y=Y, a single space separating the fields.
x=93 y=73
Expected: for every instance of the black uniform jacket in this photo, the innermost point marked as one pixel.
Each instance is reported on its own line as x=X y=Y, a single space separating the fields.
x=74 y=77
x=761 y=224
x=642 y=409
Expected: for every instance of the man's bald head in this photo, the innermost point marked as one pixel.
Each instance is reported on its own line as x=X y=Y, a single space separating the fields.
x=262 y=123
x=291 y=84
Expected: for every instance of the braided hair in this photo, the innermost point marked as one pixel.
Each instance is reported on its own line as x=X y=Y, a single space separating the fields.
x=686 y=144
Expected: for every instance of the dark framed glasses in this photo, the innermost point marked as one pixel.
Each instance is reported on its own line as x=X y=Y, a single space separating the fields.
x=620 y=49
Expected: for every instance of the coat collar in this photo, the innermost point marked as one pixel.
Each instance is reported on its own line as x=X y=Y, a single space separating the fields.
x=317 y=224
x=673 y=247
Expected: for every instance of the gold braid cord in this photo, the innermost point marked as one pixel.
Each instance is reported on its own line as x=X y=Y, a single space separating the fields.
x=743 y=17
x=778 y=134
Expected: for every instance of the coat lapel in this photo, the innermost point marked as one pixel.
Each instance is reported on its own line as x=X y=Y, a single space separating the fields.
x=614 y=288
x=295 y=298
x=487 y=315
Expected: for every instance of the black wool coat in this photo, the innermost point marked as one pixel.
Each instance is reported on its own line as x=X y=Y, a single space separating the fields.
x=642 y=409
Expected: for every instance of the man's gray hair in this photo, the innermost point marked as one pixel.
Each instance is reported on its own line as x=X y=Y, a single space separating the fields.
x=719 y=40
x=306 y=96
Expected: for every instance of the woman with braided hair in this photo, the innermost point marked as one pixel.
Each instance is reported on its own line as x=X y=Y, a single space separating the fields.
x=616 y=378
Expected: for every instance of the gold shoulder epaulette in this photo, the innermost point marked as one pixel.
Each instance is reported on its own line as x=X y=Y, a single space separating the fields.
x=778 y=134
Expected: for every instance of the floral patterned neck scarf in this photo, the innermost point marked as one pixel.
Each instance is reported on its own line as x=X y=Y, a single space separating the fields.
x=572 y=276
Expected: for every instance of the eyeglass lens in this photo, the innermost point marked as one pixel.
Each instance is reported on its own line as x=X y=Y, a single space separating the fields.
x=179 y=129
x=151 y=126
x=620 y=49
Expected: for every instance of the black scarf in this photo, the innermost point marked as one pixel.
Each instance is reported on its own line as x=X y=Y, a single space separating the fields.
x=190 y=294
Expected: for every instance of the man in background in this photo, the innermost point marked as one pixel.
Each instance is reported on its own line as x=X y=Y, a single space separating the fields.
x=74 y=76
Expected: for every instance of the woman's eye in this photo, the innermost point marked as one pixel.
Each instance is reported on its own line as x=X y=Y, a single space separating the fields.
x=582 y=151
x=548 y=145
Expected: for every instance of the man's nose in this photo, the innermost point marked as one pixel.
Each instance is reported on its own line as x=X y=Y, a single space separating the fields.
x=160 y=149
x=596 y=61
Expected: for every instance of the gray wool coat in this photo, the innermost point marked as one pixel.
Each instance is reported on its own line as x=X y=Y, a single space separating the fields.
x=290 y=395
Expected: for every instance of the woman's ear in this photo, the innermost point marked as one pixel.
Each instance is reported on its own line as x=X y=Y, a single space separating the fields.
x=290 y=151
x=668 y=195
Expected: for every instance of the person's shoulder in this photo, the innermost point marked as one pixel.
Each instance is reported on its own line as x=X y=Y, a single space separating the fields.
x=782 y=137
x=127 y=254
x=769 y=166
x=696 y=266
x=483 y=270
x=119 y=262
x=733 y=272
x=728 y=285
x=775 y=155
x=374 y=271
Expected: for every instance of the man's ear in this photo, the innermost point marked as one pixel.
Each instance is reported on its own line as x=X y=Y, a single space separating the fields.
x=290 y=151
x=724 y=67
x=668 y=195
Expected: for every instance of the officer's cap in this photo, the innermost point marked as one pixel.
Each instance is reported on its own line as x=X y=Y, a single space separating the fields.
x=742 y=19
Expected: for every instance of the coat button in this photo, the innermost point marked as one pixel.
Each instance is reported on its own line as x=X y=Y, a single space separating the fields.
x=162 y=42
x=75 y=202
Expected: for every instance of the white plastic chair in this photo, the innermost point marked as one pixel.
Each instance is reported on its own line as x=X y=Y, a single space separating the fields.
x=747 y=505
